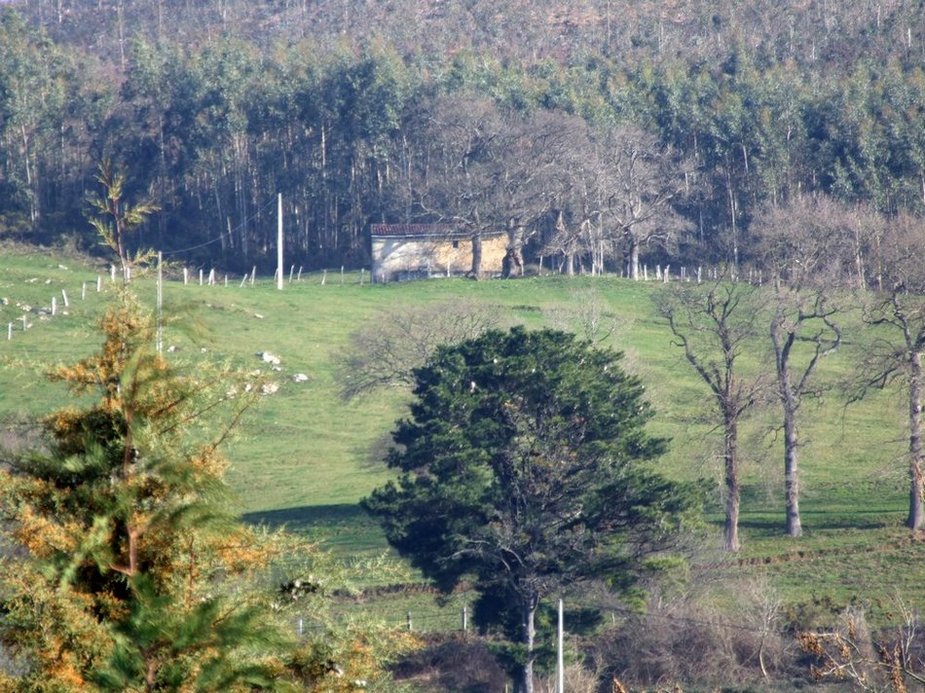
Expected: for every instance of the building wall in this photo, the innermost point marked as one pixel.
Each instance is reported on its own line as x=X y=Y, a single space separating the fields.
x=395 y=256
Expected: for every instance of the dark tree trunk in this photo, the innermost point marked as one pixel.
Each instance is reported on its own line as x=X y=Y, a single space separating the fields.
x=916 y=519
x=529 y=639
x=476 y=270
x=731 y=465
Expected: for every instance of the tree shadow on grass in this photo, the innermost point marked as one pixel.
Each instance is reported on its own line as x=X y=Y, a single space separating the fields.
x=824 y=520
x=343 y=528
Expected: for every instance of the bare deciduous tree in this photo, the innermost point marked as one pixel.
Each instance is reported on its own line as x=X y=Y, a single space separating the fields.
x=808 y=319
x=618 y=193
x=645 y=179
x=802 y=250
x=713 y=324
x=486 y=170
x=895 y=353
x=588 y=317
x=814 y=240
x=385 y=352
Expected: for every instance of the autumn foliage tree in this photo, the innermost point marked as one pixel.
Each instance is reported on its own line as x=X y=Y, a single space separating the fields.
x=124 y=568
x=120 y=529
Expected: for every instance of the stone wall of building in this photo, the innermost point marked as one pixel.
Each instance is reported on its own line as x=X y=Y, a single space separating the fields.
x=401 y=257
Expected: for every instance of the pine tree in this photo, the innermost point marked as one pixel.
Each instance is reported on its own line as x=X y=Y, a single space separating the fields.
x=124 y=569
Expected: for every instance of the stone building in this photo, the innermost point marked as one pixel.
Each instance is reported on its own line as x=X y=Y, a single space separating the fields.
x=411 y=251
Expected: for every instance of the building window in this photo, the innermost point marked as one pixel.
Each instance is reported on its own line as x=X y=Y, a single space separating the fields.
x=455 y=244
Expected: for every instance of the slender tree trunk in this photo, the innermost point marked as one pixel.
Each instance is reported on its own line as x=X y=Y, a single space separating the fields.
x=916 y=518
x=33 y=189
x=529 y=638
x=789 y=405
x=859 y=259
x=731 y=465
x=791 y=472
x=733 y=213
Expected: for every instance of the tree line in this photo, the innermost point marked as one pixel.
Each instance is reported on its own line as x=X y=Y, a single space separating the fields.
x=593 y=134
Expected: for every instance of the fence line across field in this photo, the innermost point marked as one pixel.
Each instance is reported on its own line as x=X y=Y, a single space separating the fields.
x=660 y=274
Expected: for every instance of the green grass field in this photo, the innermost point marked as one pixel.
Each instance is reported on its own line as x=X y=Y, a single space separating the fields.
x=305 y=457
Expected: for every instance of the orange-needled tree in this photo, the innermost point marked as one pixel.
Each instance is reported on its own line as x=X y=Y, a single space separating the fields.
x=124 y=566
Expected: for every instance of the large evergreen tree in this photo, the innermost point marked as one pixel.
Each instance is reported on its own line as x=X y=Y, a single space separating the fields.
x=525 y=469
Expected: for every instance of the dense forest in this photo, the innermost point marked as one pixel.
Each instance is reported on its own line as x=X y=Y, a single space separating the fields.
x=596 y=132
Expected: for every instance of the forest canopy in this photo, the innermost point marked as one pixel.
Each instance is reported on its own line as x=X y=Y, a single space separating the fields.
x=213 y=108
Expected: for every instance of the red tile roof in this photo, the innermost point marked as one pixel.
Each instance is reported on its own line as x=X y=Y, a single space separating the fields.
x=416 y=230
x=423 y=231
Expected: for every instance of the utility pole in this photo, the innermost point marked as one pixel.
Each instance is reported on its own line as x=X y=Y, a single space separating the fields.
x=160 y=303
x=560 y=659
x=279 y=241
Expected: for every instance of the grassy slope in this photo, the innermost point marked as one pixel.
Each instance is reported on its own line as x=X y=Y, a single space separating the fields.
x=304 y=455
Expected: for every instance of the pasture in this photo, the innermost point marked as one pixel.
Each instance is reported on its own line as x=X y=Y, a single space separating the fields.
x=305 y=457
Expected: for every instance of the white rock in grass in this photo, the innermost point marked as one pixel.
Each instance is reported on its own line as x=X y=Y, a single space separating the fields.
x=269 y=388
x=267 y=357
x=300 y=378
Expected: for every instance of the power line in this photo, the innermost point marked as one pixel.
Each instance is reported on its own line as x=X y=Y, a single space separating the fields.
x=222 y=235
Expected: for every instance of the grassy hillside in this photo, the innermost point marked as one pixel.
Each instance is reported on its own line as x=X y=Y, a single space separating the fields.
x=305 y=457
